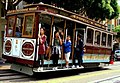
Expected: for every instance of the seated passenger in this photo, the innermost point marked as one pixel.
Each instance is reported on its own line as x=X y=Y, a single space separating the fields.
x=18 y=33
x=10 y=31
x=67 y=50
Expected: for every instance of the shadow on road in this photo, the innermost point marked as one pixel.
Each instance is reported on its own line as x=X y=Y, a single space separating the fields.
x=12 y=76
x=57 y=74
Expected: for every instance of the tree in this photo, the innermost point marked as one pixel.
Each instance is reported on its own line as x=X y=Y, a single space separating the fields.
x=11 y=4
x=94 y=9
x=117 y=28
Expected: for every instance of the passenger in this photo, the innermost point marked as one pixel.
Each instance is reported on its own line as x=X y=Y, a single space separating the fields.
x=61 y=36
x=10 y=31
x=67 y=50
x=57 y=42
x=18 y=32
x=42 y=47
x=78 y=52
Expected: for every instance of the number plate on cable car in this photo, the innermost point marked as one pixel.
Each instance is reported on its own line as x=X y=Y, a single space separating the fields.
x=8 y=46
x=27 y=48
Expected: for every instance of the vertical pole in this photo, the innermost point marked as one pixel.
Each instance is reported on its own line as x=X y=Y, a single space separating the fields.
x=106 y=40
x=84 y=37
x=0 y=31
x=112 y=42
x=100 y=38
x=51 y=36
x=93 y=36
x=73 y=41
x=36 y=28
x=64 y=39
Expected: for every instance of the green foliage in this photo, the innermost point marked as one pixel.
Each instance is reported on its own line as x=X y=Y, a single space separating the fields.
x=94 y=9
x=117 y=29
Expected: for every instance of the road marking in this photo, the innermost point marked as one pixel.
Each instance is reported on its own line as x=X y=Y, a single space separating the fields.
x=70 y=78
x=106 y=80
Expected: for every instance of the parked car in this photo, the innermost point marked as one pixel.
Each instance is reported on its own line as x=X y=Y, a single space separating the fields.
x=117 y=55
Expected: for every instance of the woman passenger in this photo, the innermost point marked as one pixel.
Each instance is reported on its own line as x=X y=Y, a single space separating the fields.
x=42 y=47
x=57 y=42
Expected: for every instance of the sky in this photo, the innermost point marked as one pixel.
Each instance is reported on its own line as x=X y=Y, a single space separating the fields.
x=119 y=2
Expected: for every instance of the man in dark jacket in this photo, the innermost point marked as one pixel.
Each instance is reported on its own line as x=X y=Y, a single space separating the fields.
x=78 y=52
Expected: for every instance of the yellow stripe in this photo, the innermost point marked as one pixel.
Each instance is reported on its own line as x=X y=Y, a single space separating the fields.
x=70 y=78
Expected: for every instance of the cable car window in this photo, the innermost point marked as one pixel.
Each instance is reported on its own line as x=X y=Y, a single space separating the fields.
x=90 y=36
x=104 y=39
x=28 y=26
x=109 y=40
x=97 y=38
x=11 y=23
x=18 y=28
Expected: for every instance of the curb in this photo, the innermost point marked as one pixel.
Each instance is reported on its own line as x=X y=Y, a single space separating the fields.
x=5 y=67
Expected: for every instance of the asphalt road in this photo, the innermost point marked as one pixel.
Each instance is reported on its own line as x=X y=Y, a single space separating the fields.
x=110 y=74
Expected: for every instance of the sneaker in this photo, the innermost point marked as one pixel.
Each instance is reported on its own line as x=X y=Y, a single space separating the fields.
x=73 y=66
x=40 y=69
x=53 y=68
x=81 y=67
x=66 y=67
x=77 y=66
x=56 y=68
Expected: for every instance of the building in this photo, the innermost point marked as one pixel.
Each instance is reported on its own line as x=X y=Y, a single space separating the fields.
x=111 y=25
x=2 y=25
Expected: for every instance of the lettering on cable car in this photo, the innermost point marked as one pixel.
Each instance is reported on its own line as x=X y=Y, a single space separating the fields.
x=22 y=10
x=86 y=20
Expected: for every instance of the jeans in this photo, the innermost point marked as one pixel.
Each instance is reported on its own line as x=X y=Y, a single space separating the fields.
x=55 y=58
x=79 y=57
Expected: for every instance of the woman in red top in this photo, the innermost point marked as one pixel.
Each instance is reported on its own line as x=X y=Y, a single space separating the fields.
x=42 y=47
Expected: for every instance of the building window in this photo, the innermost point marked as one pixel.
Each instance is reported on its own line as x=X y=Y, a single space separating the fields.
x=28 y=25
x=118 y=22
x=10 y=26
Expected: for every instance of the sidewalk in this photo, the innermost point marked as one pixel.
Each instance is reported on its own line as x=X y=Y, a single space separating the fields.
x=4 y=66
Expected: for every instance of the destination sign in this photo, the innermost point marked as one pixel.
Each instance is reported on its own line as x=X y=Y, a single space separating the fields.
x=87 y=21
x=22 y=10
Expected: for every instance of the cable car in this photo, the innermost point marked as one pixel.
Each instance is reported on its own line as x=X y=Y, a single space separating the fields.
x=21 y=48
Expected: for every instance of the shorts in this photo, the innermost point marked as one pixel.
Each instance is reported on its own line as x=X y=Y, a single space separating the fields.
x=67 y=56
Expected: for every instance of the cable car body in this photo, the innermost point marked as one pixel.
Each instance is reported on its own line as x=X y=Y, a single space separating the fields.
x=22 y=51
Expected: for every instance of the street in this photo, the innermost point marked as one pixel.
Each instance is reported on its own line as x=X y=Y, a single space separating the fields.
x=108 y=74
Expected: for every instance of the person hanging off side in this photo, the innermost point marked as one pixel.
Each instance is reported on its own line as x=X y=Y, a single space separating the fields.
x=42 y=48
x=79 y=52
x=56 y=51
x=67 y=50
